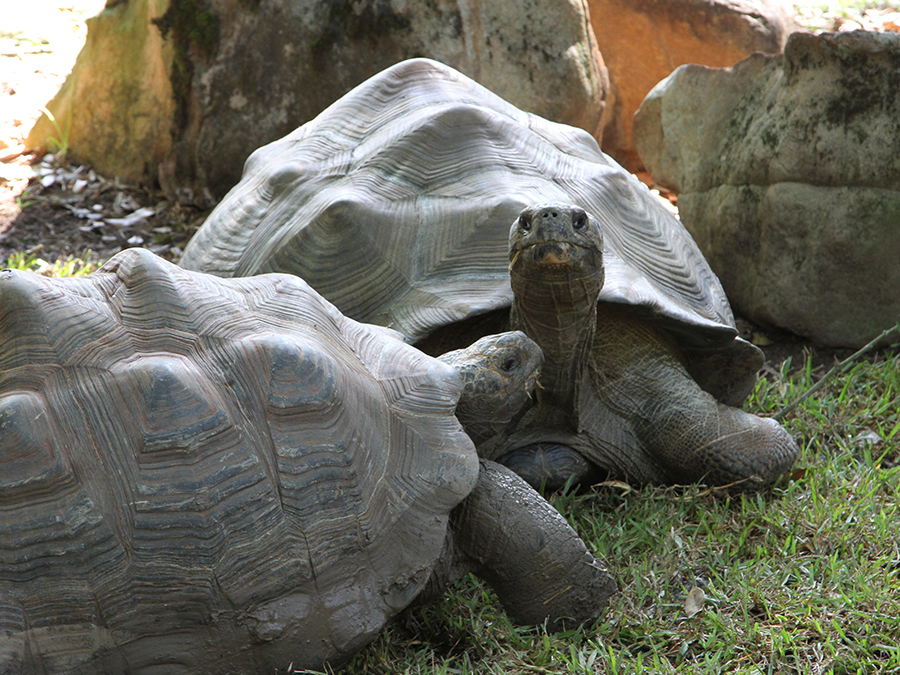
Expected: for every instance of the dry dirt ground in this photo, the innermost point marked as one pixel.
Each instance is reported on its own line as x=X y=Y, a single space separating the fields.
x=53 y=209
x=49 y=207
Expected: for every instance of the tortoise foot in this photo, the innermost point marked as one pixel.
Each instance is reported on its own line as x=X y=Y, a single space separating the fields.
x=551 y=466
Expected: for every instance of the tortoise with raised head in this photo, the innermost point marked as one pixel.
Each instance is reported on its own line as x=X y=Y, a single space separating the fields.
x=612 y=381
x=204 y=475
x=396 y=202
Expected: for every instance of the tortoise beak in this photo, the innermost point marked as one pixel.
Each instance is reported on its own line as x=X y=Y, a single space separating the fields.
x=555 y=237
x=557 y=258
x=553 y=253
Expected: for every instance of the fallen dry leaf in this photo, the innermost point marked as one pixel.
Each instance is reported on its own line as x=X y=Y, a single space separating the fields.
x=694 y=601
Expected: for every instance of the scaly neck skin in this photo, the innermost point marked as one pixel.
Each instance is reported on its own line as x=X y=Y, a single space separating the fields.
x=559 y=312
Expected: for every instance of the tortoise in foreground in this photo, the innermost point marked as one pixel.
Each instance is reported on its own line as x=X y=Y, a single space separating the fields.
x=203 y=475
x=396 y=202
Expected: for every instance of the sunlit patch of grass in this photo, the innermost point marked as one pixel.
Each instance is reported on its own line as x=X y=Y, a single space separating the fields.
x=825 y=15
x=70 y=267
x=845 y=8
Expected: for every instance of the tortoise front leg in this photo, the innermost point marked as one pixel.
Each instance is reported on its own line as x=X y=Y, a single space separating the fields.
x=515 y=540
x=655 y=424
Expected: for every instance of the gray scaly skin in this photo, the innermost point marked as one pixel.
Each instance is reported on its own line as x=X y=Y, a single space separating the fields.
x=504 y=531
x=499 y=374
x=613 y=388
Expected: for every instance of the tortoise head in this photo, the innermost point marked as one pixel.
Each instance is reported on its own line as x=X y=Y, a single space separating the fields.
x=499 y=373
x=556 y=240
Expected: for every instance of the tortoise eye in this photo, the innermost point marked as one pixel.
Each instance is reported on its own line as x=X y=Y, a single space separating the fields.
x=580 y=222
x=524 y=224
x=509 y=365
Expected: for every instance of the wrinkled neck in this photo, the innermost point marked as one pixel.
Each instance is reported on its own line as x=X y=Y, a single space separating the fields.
x=560 y=314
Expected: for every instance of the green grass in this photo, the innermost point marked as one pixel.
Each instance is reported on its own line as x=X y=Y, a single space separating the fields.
x=826 y=15
x=70 y=267
x=59 y=145
x=802 y=578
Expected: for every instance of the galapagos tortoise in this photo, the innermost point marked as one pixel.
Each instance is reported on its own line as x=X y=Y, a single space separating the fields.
x=395 y=203
x=203 y=475
x=611 y=381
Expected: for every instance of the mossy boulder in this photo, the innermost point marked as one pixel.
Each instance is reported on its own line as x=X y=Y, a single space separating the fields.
x=787 y=169
x=182 y=91
x=115 y=109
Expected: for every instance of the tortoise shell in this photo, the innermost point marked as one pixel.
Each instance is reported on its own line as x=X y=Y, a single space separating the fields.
x=211 y=475
x=395 y=203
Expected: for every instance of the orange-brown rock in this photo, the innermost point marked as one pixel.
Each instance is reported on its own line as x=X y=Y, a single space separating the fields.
x=642 y=41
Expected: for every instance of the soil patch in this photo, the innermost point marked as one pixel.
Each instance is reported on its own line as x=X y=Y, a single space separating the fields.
x=65 y=211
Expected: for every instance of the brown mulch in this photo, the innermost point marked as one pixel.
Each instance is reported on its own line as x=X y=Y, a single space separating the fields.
x=69 y=211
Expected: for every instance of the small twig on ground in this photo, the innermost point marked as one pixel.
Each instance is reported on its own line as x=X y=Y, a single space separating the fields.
x=838 y=368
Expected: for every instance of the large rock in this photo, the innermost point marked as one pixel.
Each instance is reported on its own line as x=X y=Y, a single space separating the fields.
x=184 y=91
x=788 y=169
x=642 y=41
x=116 y=107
